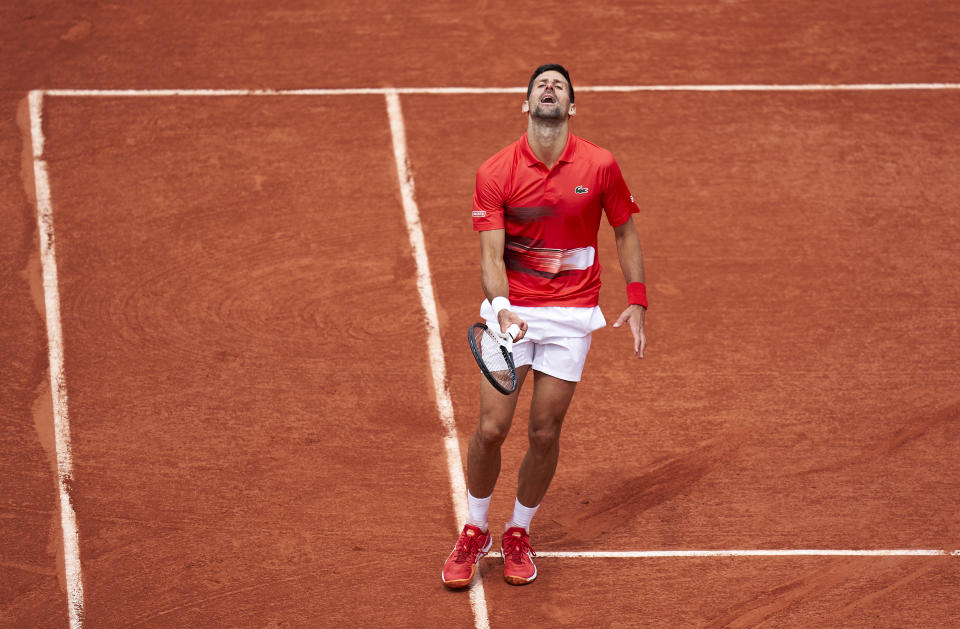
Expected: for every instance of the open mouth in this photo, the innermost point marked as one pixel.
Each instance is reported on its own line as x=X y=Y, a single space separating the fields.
x=548 y=98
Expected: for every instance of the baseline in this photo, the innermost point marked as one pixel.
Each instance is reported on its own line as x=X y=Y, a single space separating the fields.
x=826 y=552
x=387 y=91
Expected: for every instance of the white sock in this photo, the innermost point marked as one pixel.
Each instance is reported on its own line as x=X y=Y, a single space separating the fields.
x=477 y=510
x=522 y=515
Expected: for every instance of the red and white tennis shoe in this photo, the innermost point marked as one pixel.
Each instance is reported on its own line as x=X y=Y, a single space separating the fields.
x=461 y=565
x=518 y=566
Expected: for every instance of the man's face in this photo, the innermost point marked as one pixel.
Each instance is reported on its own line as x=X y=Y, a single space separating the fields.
x=550 y=97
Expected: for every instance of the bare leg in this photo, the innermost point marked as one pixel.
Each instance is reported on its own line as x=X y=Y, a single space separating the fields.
x=551 y=399
x=483 y=455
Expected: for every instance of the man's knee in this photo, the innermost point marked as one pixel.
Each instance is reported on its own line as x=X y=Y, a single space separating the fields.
x=544 y=436
x=492 y=431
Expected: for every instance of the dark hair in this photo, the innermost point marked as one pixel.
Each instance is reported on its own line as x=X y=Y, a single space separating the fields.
x=555 y=67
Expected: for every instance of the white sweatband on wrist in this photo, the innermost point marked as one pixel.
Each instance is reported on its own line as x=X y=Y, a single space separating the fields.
x=499 y=303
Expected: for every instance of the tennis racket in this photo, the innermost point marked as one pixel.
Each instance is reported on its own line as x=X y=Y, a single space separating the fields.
x=494 y=355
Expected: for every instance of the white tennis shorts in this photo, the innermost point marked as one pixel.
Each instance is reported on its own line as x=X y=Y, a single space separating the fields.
x=557 y=338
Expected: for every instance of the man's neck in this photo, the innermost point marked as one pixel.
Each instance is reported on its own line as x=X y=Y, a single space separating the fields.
x=547 y=140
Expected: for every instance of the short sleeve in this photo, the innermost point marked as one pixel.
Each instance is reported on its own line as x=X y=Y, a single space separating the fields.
x=618 y=203
x=487 y=202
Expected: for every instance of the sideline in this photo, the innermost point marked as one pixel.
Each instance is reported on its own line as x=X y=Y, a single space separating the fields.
x=411 y=214
x=58 y=383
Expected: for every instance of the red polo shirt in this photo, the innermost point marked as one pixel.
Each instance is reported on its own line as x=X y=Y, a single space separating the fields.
x=551 y=218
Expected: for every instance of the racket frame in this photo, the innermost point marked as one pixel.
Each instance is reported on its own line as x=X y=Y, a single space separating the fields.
x=505 y=344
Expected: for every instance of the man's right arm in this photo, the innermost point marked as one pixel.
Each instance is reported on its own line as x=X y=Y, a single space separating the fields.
x=493 y=277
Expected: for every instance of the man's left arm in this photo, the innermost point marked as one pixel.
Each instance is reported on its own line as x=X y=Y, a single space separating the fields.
x=631 y=263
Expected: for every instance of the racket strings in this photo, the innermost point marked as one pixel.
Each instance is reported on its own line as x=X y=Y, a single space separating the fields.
x=493 y=357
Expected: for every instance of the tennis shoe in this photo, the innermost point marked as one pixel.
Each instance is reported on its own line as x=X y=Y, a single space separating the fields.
x=461 y=565
x=518 y=566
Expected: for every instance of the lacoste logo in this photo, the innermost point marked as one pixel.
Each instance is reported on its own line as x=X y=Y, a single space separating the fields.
x=581 y=189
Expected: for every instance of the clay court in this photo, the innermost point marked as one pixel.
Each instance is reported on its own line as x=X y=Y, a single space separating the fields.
x=237 y=268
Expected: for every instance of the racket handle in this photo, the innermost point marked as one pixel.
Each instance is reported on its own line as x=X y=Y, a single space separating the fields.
x=513 y=331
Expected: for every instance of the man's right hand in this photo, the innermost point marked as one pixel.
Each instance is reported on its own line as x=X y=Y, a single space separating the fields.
x=507 y=318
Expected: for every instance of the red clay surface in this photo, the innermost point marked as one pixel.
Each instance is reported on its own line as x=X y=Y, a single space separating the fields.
x=781 y=592
x=804 y=359
x=238 y=397
x=343 y=43
x=239 y=315
x=799 y=388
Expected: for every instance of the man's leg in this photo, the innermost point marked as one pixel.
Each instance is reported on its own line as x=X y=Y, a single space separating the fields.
x=483 y=455
x=551 y=398
x=483 y=467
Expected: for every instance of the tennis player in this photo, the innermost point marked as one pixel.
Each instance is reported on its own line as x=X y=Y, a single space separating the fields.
x=537 y=207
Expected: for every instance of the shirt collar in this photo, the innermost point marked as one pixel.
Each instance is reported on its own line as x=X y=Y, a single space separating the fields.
x=566 y=156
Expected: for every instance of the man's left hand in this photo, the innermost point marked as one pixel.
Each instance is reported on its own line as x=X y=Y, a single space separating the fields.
x=634 y=315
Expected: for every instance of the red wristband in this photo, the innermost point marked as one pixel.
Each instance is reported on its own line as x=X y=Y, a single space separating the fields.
x=637 y=293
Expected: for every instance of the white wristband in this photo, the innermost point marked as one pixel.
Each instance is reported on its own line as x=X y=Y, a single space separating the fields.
x=499 y=303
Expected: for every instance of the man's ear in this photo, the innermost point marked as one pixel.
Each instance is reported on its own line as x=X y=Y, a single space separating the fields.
x=573 y=109
x=525 y=107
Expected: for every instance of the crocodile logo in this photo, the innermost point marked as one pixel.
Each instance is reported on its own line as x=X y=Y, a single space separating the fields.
x=581 y=189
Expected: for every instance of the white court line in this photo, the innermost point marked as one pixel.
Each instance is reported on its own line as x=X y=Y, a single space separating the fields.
x=458 y=484
x=424 y=285
x=58 y=386
x=387 y=91
x=637 y=554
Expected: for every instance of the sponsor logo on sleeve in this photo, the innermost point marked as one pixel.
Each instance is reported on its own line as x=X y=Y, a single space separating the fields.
x=479 y=213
